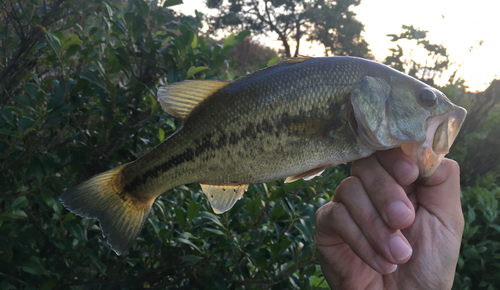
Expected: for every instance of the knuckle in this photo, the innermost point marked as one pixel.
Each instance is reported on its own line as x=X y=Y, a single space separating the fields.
x=358 y=236
x=373 y=218
x=321 y=211
x=453 y=165
x=338 y=212
x=359 y=164
x=382 y=185
x=330 y=212
x=347 y=186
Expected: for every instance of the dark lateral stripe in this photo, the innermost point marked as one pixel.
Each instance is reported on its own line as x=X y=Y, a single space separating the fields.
x=205 y=144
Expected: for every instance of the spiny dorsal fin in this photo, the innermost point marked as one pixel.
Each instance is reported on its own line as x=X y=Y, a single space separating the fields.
x=179 y=99
x=299 y=58
x=309 y=174
x=223 y=197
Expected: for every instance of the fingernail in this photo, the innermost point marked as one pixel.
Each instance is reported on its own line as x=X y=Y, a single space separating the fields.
x=399 y=249
x=403 y=171
x=385 y=266
x=398 y=213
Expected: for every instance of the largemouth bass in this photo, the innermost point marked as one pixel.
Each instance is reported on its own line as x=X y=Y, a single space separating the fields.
x=292 y=120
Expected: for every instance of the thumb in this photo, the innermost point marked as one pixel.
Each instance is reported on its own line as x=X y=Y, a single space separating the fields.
x=440 y=195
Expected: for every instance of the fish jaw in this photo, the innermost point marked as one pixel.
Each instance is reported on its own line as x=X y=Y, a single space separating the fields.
x=440 y=135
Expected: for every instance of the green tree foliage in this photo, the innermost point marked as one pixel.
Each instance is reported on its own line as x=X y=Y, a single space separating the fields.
x=250 y=55
x=332 y=23
x=477 y=147
x=81 y=101
x=437 y=57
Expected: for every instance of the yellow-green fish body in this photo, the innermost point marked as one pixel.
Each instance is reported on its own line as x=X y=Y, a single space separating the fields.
x=291 y=120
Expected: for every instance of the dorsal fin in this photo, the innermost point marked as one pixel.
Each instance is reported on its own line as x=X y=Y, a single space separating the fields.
x=299 y=58
x=223 y=197
x=179 y=99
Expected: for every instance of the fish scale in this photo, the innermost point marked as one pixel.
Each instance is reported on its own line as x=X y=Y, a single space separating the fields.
x=291 y=120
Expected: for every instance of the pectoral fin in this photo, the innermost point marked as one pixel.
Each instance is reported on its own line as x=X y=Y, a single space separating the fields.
x=223 y=197
x=308 y=175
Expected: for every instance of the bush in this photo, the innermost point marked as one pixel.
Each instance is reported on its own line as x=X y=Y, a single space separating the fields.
x=83 y=101
x=479 y=261
x=78 y=86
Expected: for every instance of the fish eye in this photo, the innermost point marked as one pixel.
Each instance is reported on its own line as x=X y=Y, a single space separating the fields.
x=428 y=98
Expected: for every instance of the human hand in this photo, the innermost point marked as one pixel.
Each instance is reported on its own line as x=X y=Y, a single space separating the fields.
x=381 y=231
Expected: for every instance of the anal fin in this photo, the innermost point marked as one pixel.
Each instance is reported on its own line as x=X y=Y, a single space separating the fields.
x=223 y=197
x=307 y=175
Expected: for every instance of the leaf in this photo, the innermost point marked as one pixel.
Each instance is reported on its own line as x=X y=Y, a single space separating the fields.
x=9 y=133
x=195 y=41
x=31 y=89
x=89 y=76
x=161 y=134
x=76 y=230
x=241 y=36
x=35 y=166
x=304 y=229
x=169 y=3
x=310 y=270
x=142 y=7
x=272 y=61
x=24 y=100
x=279 y=193
x=180 y=215
x=54 y=42
x=23 y=124
x=49 y=284
x=108 y=9
x=33 y=266
x=16 y=214
x=19 y=203
x=71 y=40
x=191 y=259
x=120 y=25
x=215 y=231
x=265 y=253
x=229 y=40
x=188 y=242
x=496 y=227
x=194 y=70
x=193 y=209
x=154 y=222
x=211 y=217
x=57 y=97
x=276 y=212
x=51 y=201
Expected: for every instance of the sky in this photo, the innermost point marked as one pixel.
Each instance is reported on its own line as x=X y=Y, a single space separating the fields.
x=459 y=25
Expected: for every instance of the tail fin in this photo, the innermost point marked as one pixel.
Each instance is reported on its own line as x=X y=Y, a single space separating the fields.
x=120 y=214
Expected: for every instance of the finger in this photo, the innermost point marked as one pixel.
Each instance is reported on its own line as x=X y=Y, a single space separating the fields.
x=387 y=243
x=388 y=197
x=401 y=167
x=441 y=194
x=334 y=227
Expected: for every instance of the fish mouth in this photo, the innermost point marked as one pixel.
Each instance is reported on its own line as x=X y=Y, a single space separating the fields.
x=441 y=133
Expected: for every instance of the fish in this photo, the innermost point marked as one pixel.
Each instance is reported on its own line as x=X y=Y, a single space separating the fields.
x=289 y=121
